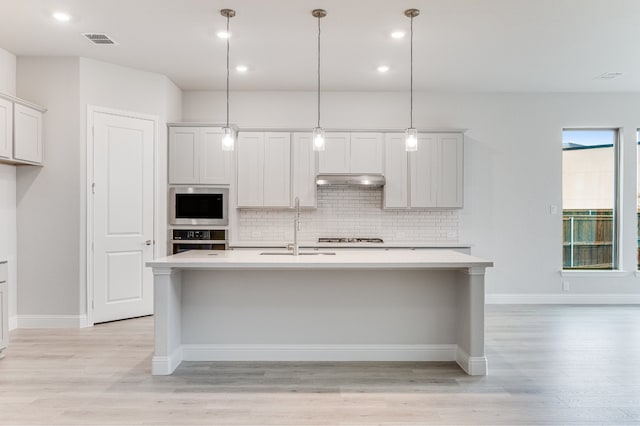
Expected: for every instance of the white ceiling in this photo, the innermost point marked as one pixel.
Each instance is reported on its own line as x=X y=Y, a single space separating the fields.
x=459 y=45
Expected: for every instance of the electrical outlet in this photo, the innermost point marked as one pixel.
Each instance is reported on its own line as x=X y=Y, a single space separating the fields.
x=566 y=286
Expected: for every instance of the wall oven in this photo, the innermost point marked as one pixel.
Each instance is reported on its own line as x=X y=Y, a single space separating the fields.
x=182 y=240
x=191 y=205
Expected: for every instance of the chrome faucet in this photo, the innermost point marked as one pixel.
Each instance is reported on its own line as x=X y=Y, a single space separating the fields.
x=296 y=227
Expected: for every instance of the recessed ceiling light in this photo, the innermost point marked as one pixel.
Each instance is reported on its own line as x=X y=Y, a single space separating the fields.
x=242 y=68
x=223 y=34
x=397 y=34
x=383 y=68
x=61 y=16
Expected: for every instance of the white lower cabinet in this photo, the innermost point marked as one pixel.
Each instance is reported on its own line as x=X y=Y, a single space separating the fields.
x=264 y=169
x=431 y=177
x=4 y=309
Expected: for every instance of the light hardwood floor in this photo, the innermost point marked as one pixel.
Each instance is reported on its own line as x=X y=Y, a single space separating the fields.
x=547 y=365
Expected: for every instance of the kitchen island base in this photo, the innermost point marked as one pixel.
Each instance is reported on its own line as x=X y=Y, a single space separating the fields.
x=319 y=310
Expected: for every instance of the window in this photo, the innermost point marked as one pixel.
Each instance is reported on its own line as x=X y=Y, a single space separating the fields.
x=589 y=198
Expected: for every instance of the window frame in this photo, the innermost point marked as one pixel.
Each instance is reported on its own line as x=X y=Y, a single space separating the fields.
x=617 y=203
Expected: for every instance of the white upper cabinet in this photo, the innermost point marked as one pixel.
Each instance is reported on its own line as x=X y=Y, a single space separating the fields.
x=27 y=136
x=396 y=188
x=6 y=128
x=351 y=153
x=264 y=169
x=277 y=169
x=21 y=140
x=436 y=175
x=216 y=165
x=184 y=166
x=366 y=153
x=303 y=169
x=196 y=156
x=335 y=157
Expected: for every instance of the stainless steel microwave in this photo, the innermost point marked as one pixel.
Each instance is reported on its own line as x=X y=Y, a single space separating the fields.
x=192 y=205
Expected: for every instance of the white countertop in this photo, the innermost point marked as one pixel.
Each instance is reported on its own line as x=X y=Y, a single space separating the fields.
x=348 y=259
x=393 y=244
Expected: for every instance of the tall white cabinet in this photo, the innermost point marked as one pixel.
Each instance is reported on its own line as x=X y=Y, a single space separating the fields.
x=264 y=169
x=20 y=131
x=196 y=156
x=431 y=177
x=4 y=309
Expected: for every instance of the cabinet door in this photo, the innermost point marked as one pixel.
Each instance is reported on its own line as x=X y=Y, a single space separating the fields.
x=4 y=306
x=303 y=173
x=27 y=142
x=277 y=170
x=250 y=169
x=366 y=153
x=335 y=157
x=215 y=164
x=184 y=165
x=423 y=176
x=396 y=188
x=6 y=128
x=450 y=179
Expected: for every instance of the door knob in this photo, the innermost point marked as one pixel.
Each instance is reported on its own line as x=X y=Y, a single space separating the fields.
x=148 y=242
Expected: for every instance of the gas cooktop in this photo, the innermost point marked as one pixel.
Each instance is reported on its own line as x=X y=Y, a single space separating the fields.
x=349 y=240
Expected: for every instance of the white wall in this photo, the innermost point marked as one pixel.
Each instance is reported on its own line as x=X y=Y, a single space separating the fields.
x=48 y=204
x=52 y=199
x=513 y=166
x=8 y=234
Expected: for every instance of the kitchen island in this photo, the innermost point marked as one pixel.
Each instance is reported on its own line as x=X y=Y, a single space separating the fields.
x=355 y=305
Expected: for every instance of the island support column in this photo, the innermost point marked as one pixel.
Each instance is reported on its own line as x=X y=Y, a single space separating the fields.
x=470 y=354
x=168 y=320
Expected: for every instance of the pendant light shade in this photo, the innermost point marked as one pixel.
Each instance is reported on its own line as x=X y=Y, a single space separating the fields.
x=228 y=137
x=411 y=139
x=411 y=134
x=318 y=132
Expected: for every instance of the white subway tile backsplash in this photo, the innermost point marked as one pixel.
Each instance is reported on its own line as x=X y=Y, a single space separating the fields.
x=349 y=212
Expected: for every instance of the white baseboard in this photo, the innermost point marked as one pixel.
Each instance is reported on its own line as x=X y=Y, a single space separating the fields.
x=165 y=365
x=51 y=321
x=13 y=323
x=319 y=352
x=562 y=299
x=472 y=365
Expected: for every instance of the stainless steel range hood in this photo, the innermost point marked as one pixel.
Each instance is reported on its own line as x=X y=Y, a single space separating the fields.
x=370 y=181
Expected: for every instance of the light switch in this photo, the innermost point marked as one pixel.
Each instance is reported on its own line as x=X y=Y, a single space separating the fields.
x=553 y=209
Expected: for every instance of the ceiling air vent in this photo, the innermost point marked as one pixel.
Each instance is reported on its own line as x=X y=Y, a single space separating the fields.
x=97 y=38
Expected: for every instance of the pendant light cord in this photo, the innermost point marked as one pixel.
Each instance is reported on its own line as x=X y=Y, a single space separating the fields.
x=411 y=108
x=228 y=37
x=319 y=71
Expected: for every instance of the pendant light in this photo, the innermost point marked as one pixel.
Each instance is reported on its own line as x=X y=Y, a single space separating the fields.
x=411 y=134
x=228 y=139
x=318 y=132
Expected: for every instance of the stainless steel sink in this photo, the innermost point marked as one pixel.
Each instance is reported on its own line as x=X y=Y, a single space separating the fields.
x=308 y=253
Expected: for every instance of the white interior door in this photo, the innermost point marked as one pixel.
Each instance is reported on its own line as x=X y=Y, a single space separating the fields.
x=122 y=216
